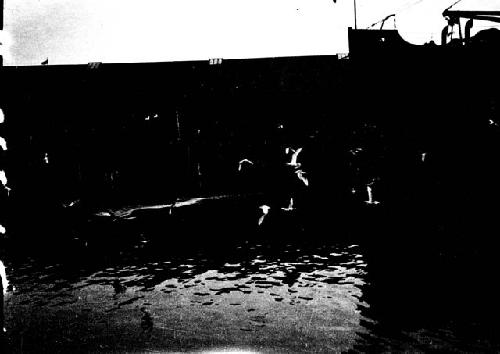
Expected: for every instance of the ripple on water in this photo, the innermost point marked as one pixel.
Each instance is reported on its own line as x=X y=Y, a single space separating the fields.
x=325 y=280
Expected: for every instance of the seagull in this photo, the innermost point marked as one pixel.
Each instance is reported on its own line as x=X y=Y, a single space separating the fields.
x=46 y=158
x=265 y=211
x=295 y=154
x=3 y=280
x=2 y=229
x=370 y=196
x=300 y=174
x=2 y=116
x=240 y=164
x=290 y=206
x=71 y=204
x=3 y=144
x=424 y=154
x=3 y=177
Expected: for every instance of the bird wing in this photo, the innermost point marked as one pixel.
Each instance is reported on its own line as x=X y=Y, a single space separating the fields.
x=295 y=155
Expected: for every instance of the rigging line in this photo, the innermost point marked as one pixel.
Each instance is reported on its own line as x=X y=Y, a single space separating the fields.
x=456 y=2
x=382 y=20
x=410 y=5
x=406 y=7
x=401 y=9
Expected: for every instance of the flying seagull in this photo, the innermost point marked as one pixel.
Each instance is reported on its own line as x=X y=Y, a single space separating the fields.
x=265 y=211
x=301 y=175
x=3 y=277
x=295 y=154
x=244 y=161
x=370 y=200
x=290 y=206
x=3 y=177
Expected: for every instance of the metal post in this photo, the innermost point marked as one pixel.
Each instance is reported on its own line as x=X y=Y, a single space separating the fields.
x=355 y=16
x=1 y=27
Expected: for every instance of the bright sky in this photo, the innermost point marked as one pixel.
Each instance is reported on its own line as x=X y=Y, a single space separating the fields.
x=82 y=31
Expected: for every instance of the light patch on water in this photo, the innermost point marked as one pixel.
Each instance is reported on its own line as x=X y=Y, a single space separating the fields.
x=229 y=351
x=301 y=300
x=127 y=211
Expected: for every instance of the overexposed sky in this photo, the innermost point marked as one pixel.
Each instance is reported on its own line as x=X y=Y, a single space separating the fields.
x=82 y=31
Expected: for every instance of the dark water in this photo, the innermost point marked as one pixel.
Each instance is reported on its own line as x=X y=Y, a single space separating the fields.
x=200 y=277
x=392 y=250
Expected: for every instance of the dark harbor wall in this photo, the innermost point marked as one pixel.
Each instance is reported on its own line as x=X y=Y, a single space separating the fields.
x=150 y=133
x=419 y=125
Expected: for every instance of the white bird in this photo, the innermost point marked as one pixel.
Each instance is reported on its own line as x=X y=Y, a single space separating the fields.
x=370 y=196
x=301 y=175
x=290 y=206
x=3 y=177
x=3 y=144
x=265 y=211
x=46 y=158
x=2 y=116
x=71 y=204
x=295 y=154
x=240 y=164
x=424 y=154
x=4 y=281
x=2 y=229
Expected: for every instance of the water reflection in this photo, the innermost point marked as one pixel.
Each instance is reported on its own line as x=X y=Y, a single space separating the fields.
x=146 y=286
x=273 y=295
